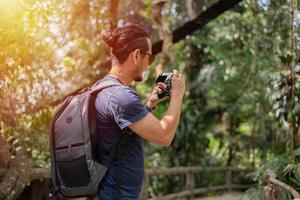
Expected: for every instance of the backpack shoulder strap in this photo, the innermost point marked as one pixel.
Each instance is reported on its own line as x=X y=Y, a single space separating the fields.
x=94 y=90
x=102 y=84
x=117 y=149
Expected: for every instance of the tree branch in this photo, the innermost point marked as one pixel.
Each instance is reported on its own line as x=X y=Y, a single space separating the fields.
x=113 y=7
x=203 y=18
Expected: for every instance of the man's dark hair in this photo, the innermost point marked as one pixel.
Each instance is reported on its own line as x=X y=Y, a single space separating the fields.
x=123 y=40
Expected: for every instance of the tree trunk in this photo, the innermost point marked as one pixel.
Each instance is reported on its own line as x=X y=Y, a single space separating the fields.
x=4 y=153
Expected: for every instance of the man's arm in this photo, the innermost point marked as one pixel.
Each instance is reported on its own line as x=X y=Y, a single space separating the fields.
x=162 y=132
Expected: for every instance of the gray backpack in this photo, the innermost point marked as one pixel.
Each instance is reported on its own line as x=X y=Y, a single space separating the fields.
x=75 y=171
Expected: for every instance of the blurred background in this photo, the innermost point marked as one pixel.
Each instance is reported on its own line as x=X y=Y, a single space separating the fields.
x=241 y=61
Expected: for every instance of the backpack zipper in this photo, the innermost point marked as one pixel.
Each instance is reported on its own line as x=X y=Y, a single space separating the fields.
x=69 y=146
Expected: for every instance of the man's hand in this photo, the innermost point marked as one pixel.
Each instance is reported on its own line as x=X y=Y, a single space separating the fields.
x=153 y=100
x=178 y=85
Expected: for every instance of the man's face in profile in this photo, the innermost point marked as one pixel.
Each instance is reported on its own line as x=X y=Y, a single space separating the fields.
x=144 y=65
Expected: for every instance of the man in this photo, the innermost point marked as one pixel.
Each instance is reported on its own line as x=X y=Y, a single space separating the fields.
x=119 y=107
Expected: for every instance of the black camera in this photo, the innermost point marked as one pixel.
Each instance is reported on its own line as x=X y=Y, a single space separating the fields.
x=166 y=78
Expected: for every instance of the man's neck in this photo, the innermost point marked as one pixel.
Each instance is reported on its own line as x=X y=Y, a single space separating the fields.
x=122 y=75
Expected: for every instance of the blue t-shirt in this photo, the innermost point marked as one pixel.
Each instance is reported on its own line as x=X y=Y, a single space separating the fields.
x=118 y=107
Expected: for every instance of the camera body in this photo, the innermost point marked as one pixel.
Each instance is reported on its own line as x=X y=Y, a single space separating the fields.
x=166 y=78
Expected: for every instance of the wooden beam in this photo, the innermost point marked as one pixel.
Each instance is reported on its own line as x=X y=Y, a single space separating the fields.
x=35 y=173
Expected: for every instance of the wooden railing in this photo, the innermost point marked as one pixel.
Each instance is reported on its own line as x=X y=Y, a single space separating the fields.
x=190 y=172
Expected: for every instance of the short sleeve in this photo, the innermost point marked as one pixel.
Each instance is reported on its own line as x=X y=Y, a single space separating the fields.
x=126 y=107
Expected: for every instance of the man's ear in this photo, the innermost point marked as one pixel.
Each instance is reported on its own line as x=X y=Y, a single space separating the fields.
x=136 y=56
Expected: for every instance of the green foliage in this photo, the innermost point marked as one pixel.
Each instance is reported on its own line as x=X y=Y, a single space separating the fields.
x=44 y=56
x=254 y=194
x=31 y=135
